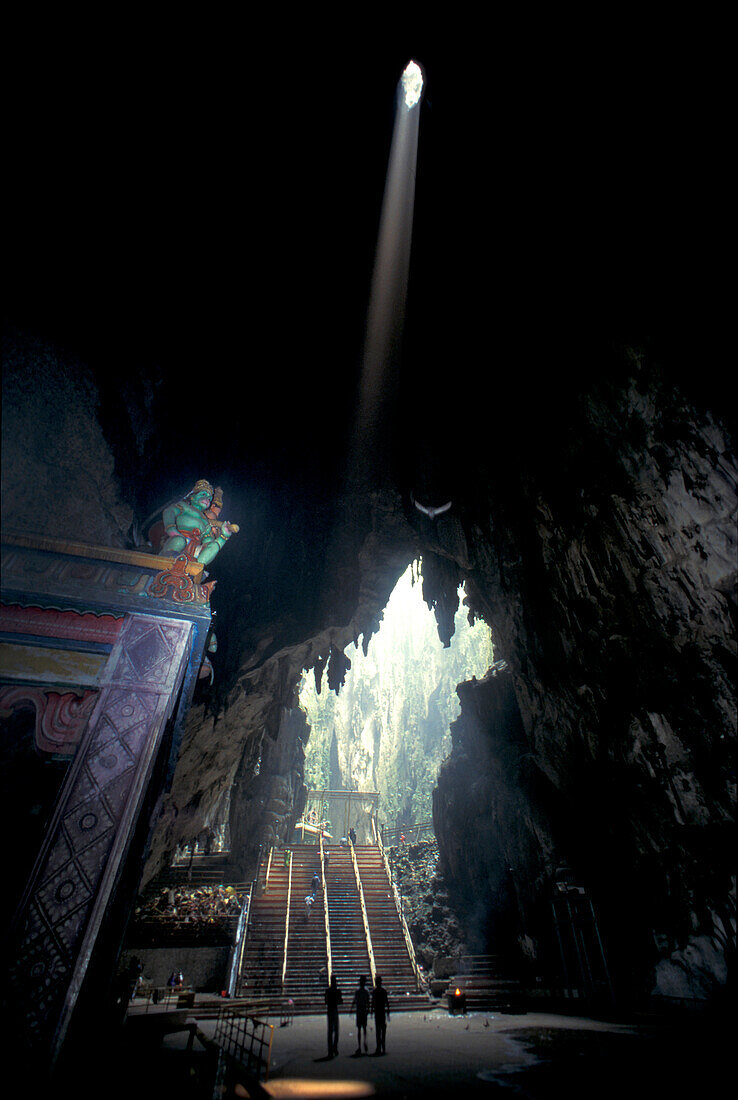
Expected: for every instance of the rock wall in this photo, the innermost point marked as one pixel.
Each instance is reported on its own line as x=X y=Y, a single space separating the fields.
x=58 y=476
x=609 y=582
x=492 y=818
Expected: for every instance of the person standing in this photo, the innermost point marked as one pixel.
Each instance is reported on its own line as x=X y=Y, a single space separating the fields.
x=333 y=998
x=361 y=1001
x=381 y=1010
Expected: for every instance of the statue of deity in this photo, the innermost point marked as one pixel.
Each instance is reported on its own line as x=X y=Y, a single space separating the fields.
x=192 y=526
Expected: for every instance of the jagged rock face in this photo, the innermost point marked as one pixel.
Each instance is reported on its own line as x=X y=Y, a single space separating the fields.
x=270 y=795
x=610 y=591
x=491 y=816
x=57 y=468
x=597 y=540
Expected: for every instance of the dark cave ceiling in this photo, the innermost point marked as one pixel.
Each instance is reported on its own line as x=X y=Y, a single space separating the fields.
x=202 y=211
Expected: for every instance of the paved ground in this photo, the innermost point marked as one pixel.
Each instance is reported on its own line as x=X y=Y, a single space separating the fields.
x=534 y=1056
x=531 y=1056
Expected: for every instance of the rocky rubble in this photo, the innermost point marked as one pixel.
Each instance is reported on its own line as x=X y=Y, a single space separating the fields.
x=435 y=925
x=202 y=905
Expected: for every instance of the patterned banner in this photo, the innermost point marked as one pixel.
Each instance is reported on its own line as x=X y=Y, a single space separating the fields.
x=97 y=809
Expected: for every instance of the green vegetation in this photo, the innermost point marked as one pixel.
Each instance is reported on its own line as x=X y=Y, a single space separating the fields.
x=388 y=730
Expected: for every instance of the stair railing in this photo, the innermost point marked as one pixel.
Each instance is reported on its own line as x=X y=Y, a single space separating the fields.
x=236 y=960
x=268 y=868
x=364 y=914
x=326 y=920
x=287 y=920
x=400 y=913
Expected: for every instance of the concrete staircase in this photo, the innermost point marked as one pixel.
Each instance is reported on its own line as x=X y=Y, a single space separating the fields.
x=487 y=985
x=261 y=972
x=167 y=932
x=307 y=962
x=203 y=870
x=391 y=956
x=305 y=976
x=348 y=941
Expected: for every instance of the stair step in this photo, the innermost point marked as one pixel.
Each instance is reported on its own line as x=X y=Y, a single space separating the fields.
x=306 y=954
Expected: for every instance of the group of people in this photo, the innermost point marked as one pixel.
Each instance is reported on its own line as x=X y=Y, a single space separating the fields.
x=364 y=1004
x=207 y=905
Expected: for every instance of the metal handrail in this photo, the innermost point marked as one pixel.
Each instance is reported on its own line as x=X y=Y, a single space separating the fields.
x=364 y=914
x=246 y=1039
x=400 y=913
x=412 y=833
x=287 y=921
x=234 y=972
x=326 y=919
x=157 y=995
x=269 y=867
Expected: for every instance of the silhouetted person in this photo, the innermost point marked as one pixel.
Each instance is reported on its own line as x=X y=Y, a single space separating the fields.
x=352 y=835
x=316 y=883
x=381 y=1010
x=333 y=999
x=361 y=1000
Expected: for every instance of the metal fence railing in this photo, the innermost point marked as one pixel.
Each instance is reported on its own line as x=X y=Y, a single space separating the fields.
x=326 y=918
x=245 y=1040
x=412 y=833
x=287 y=921
x=235 y=962
x=146 y=996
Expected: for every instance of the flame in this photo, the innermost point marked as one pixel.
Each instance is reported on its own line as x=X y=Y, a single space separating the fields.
x=457 y=993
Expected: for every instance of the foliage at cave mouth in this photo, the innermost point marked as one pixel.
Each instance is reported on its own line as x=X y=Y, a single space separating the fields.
x=388 y=729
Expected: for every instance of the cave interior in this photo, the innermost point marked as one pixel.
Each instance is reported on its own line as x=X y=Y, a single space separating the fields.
x=179 y=312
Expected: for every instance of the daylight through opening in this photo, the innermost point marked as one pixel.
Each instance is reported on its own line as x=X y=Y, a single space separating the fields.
x=389 y=728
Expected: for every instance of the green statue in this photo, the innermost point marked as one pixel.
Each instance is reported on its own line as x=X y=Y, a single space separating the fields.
x=192 y=527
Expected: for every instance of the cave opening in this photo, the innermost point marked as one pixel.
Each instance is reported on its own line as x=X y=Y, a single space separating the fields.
x=387 y=729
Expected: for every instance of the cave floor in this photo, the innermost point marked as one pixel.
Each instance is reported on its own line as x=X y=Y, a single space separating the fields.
x=532 y=1055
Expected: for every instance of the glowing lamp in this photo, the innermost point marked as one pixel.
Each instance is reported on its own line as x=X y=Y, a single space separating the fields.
x=456 y=1002
x=412 y=84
